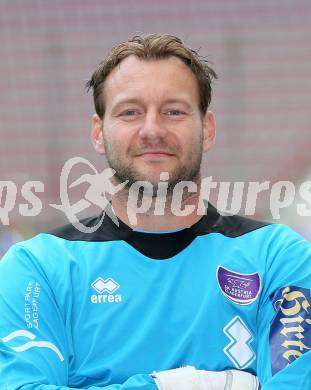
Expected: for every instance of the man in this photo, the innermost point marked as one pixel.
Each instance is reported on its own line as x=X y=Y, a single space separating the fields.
x=175 y=300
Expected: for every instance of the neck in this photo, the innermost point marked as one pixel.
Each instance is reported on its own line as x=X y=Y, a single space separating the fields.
x=157 y=213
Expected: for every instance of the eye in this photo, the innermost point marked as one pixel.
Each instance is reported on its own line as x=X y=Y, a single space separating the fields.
x=174 y=112
x=130 y=113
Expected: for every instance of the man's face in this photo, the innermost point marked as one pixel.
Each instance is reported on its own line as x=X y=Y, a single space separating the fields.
x=152 y=121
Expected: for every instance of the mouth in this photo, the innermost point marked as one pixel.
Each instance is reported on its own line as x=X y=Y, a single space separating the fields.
x=155 y=154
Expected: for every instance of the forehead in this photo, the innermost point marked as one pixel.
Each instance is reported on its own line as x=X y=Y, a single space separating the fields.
x=151 y=79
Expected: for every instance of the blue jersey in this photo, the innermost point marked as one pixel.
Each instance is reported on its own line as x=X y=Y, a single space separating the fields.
x=105 y=310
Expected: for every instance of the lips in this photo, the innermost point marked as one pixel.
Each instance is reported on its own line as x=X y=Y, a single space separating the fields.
x=154 y=153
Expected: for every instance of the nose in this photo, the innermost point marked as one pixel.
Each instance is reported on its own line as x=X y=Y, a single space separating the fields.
x=152 y=127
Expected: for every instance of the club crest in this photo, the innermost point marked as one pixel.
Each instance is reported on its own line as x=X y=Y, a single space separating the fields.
x=239 y=288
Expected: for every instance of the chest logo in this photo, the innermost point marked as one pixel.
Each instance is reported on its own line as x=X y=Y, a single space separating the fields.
x=105 y=285
x=108 y=286
x=239 y=349
x=242 y=289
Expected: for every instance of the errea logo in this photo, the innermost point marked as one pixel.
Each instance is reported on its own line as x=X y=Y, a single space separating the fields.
x=109 y=286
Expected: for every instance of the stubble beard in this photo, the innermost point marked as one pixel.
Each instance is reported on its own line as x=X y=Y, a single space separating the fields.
x=126 y=172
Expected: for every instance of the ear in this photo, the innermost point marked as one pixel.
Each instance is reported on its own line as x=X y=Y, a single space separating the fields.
x=97 y=134
x=209 y=130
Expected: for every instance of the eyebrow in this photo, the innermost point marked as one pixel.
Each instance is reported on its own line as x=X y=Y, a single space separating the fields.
x=127 y=101
x=179 y=101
